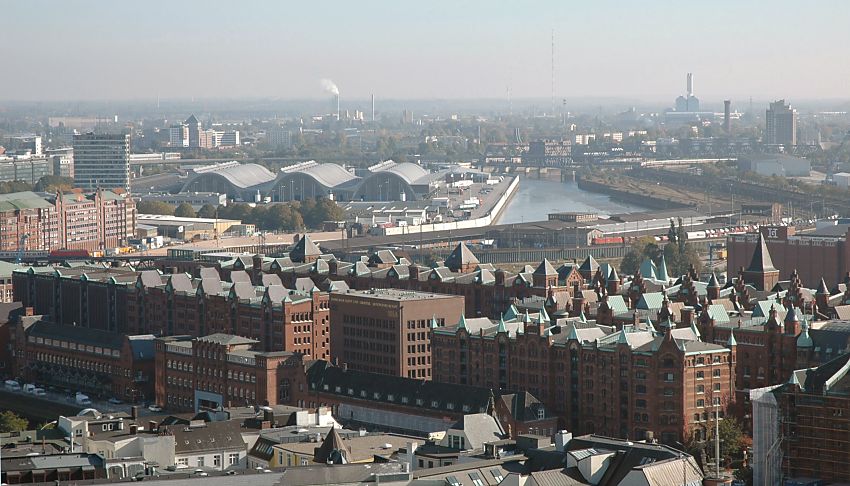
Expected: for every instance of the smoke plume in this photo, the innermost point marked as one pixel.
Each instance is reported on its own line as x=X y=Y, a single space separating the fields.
x=329 y=86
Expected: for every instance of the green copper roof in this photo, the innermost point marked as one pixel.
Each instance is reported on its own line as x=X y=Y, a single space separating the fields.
x=731 y=341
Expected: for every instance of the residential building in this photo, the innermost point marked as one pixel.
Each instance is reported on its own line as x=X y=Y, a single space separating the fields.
x=780 y=124
x=548 y=153
x=102 y=161
x=52 y=468
x=278 y=138
x=388 y=330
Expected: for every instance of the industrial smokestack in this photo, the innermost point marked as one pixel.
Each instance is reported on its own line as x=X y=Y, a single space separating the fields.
x=331 y=87
x=727 y=119
x=373 y=106
x=690 y=84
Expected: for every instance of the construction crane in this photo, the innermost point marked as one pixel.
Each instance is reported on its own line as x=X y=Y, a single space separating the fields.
x=22 y=245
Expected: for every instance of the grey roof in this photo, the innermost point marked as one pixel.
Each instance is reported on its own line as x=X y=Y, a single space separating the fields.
x=226 y=339
x=328 y=175
x=460 y=256
x=304 y=248
x=761 y=261
x=479 y=429
x=409 y=172
x=213 y=436
x=545 y=268
x=242 y=176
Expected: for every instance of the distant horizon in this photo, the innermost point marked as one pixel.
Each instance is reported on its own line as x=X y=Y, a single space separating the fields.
x=441 y=49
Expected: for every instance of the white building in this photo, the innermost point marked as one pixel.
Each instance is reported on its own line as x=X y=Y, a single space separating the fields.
x=842 y=179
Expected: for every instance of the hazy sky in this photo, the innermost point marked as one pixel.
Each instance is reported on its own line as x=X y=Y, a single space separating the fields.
x=83 y=50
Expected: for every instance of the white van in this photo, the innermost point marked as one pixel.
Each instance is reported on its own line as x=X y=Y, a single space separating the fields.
x=13 y=385
x=39 y=392
x=29 y=388
x=82 y=399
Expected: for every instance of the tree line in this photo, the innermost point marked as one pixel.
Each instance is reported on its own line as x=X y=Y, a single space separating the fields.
x=291 y=216
x=679 y=255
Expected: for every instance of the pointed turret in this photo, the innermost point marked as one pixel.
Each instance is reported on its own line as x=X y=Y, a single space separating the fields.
x=582 y=317
x=761 y=273
x=588 y=267
x=804 y=340
x=434 y=324
x=502 y=327
x=695 y=330
x=822 y=297
x=462 y=323
x=792 y=322
x=461 y=259
x=305 y=251
x=649 y=270
x=712 y=290
x=573 y=335
x=333 y=450
x=662 y=269
x=544 y=316
x=731 y=341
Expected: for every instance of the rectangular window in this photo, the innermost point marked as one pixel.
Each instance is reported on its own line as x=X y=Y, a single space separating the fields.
x=200 y=461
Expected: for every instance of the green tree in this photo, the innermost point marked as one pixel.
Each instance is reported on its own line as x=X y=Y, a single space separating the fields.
x=207 y=211
x=11 y=422
x=50 y=183
x=185 y=210
x=155 y=207
x=645 y=247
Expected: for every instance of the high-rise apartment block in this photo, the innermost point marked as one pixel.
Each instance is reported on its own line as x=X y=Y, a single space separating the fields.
x=279 y=137
x=780 y=124
x=102 y=161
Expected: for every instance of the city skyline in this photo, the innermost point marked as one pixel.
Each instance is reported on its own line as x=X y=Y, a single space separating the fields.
x=470 y=50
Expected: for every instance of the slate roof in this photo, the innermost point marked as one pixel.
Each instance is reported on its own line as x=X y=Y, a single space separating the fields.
x=324 y=377
x=461 y=256
x=761 y=261
x=304 y=248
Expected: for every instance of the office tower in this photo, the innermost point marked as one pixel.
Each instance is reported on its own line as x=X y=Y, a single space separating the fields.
x=727 y=122
x=178 y=135
x=102 y=160
x=194 y=127
x=780 y=124
x=690 y=84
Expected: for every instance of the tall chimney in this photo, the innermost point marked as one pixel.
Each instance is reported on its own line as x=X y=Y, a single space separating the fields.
x=727 y=121
x=337 y=106
x=373 y=106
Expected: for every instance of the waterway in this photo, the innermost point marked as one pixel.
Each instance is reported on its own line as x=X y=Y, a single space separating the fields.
x=536 y=198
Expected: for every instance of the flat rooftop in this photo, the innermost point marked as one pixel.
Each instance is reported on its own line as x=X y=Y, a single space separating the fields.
x=395 y=295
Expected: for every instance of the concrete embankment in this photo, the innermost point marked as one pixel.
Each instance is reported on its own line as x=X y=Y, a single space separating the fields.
x=640 y=199
x=485 y=220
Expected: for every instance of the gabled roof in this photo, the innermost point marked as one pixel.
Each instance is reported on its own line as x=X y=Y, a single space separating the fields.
x=761 y=261
x=304 y=248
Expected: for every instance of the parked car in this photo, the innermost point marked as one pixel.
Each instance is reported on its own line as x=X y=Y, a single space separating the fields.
x=155 y=408
x=115 y=401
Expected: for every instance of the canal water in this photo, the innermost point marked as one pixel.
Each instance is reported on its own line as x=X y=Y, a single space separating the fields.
x=536 y=198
